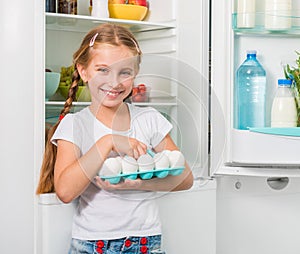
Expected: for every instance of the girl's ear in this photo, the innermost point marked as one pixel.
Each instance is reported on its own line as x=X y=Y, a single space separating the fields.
x=82 y=72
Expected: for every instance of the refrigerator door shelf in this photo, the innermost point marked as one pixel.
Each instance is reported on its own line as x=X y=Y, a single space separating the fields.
x=253 y=148
x=293 y=132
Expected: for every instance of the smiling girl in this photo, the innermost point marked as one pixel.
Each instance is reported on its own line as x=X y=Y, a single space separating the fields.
x=110 y=218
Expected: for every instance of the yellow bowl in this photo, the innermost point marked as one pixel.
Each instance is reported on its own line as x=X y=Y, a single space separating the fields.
x=83 y=93
x=127 y=11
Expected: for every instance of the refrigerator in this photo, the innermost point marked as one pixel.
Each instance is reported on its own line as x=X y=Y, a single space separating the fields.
x=244 y=198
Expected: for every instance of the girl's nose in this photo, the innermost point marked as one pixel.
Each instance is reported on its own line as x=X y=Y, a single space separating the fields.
x=114 y=80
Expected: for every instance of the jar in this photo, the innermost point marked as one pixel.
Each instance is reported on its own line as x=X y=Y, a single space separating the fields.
x=246 y=13
x=50 y=6
x=67 y=6
x=278 y=14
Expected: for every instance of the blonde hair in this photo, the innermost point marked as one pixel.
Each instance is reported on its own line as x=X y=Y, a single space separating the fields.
x=104 y=34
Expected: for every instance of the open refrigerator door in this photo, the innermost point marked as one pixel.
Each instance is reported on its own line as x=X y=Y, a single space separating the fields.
x=256 y=151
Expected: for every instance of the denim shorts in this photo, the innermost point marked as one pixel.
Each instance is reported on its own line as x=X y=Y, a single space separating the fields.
x=129 y=245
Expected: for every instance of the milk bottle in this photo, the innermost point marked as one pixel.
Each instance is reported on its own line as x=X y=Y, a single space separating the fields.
x=284 y=109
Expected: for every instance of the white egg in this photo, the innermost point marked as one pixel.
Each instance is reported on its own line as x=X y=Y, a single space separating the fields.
x=145 y=162
x=110 y=167
x=176 y=159
x=166 y=152
x=161 y=161
x=129 y=165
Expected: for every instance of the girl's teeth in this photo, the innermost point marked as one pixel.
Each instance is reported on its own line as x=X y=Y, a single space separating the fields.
x=112 y=93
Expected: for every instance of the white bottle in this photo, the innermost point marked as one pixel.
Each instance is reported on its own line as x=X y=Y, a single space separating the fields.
x=100 y=9
x=284 y=109
x=246 y=13
x=278 y=14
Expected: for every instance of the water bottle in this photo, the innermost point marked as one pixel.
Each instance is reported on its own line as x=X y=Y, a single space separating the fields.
x=250 y=90
x=284 y=109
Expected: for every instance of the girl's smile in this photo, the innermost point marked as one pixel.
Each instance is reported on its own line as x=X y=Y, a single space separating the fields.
x=112 y=94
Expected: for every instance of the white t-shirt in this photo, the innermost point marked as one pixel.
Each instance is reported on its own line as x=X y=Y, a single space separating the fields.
x=114 y=214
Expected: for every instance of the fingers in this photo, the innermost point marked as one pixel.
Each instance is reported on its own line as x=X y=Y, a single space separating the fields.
x=139 y=149
x=127 y=184
x=130 y=146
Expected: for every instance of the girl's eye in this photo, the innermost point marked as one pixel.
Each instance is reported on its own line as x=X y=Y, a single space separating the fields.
x=126 y=73
x=103 y=70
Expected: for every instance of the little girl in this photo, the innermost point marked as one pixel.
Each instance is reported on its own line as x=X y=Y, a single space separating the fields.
x=110 y=218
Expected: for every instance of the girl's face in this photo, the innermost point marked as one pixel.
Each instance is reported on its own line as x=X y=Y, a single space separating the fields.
x=110 y=74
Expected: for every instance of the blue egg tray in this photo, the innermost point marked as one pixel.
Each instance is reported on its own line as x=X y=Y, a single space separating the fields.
x=145 y=175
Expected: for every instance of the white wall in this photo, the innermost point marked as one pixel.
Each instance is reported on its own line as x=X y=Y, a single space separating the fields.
x=256 y=218
x=18 y=121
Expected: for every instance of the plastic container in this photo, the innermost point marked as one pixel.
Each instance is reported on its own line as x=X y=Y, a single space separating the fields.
x=246 y=13
x=284 y=108
x=250 y=90
x=278 y=14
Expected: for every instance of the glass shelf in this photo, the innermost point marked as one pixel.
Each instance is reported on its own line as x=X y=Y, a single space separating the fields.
x=259 y=27
x=81 y=23
x=154 y=101
x=53 y=108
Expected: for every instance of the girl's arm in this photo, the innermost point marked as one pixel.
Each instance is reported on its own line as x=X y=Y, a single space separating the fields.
x=73 y=172
x=183 y=181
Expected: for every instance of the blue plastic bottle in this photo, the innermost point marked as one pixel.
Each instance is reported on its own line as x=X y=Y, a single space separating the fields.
x=250 y=91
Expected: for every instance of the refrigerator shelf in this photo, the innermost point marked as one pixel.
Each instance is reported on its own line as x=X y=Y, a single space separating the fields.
x=259 y=27
x=257 y=148
x=82 y=23
x=233 y=169
x=293 y=132
x=78 y=103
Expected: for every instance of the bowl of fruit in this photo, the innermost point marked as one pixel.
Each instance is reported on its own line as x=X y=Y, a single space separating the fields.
x=127 y=9
x=82 y=94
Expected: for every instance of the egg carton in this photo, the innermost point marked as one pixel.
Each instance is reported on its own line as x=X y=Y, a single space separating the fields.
x=144 y=175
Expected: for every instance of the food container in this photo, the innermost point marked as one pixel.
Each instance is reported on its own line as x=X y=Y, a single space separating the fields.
x=140 y=93
x=67 y=6
x=50 y=6
x=127 y=11
x=144 y=174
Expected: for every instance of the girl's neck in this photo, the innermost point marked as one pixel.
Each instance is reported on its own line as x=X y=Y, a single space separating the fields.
x=116 y=118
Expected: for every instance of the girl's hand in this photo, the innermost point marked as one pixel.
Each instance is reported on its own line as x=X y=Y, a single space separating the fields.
x=130 y=146
x=127 y=184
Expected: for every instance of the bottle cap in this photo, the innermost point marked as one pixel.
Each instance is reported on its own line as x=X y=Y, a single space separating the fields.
x=285 y=82
x=251 y=52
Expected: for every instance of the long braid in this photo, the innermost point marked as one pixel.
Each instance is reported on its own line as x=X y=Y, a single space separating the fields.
x=46 y=182
x=71 y=93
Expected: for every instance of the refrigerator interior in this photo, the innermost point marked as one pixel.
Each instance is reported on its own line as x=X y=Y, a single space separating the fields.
x=179 y=83
x=249 y=152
